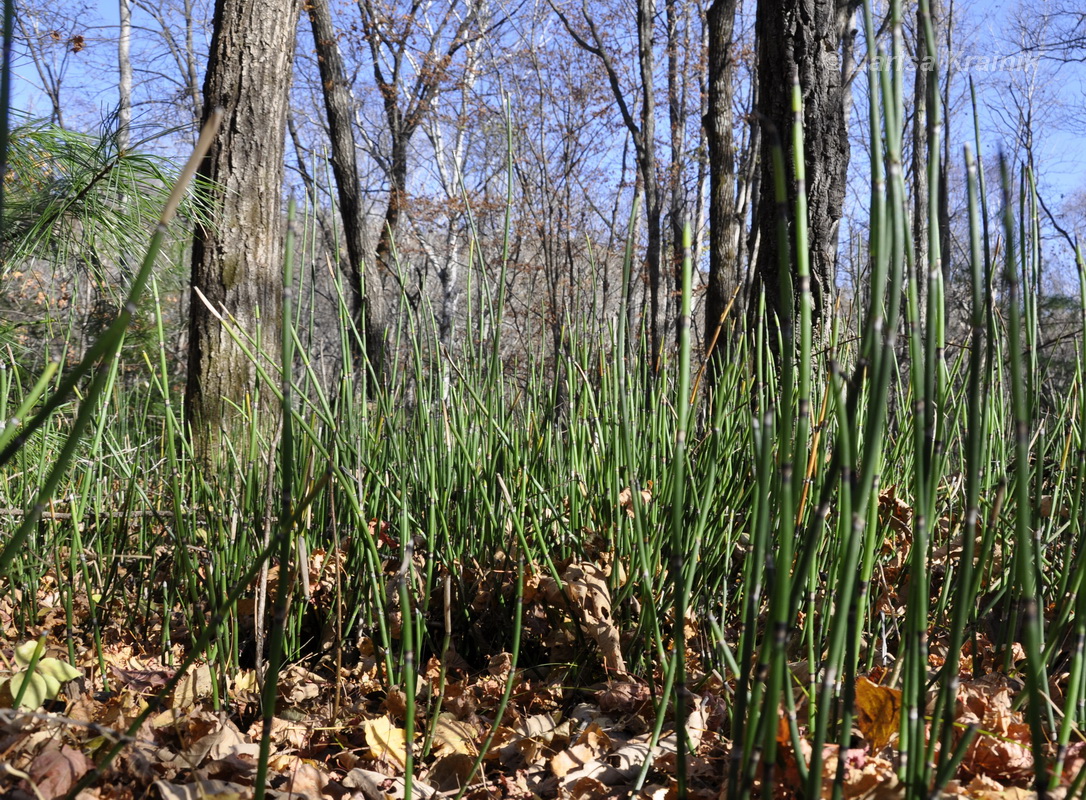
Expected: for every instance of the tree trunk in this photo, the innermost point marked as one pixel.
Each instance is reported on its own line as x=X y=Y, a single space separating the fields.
x=124 y=68
x=723 y=222
x=388 y=43
x=397 y=201
x=946 y=22
x=676 y=113
x=644 y=141
x=236 y=262
x=647 y=157
x=339 y=108
x=803 y=36
x=920 y=133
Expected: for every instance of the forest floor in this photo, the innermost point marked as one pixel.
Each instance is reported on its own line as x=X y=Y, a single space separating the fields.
x=576 y=725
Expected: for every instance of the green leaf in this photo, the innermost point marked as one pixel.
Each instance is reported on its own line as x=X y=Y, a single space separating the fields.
x=60 y=671
x=45 y=680
x=25 y=652
x=37 y=690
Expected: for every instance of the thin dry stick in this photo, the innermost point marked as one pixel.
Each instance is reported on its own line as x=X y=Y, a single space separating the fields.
x=712 y=344
x=812 y=459
x=262 y=586
x=339 y=690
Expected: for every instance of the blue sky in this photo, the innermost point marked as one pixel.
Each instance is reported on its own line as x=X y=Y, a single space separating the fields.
x=1062 y=103
x=986 y=28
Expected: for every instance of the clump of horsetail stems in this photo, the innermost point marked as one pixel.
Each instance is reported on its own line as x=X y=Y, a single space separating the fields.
x=764 y=518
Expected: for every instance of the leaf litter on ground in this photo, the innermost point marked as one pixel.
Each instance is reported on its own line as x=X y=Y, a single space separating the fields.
x=575 y=727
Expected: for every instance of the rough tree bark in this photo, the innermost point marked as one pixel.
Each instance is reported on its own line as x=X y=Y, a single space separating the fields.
x=236 y=262
x=724 y=224
x=339 y=108
x=803 y=35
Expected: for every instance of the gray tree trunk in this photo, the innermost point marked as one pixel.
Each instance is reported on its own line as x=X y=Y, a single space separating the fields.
x=724 y=224
x=676 y=113
x=236 y=263
x=921 y=131
x=124 y=80
x=339 y=107
x=407 y=100
x=803 y=36
x=646 y=12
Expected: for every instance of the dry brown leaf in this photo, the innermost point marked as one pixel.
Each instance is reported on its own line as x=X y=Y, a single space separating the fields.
x=520 y=754
x=500 y=664
x=888 y=787
x=222 y=741
x=875 y=780
x=624 y=763
x=879 y=713
x=385 y=741
x=982 y=783
x=54 y=771
x=304 y=779
x=1001 y=751
x=587 y=591
x=396 y=702
x=452 y=736
x=538 y=726
x=375 y=786
x=297 y=685
x=592 y=744
x=450 y=772
x=655 y=791
x=141 y=680
x=1018 y=793
x=201 y=790
x=193 y=687
x=624 y=697
x=625 y=499
x=1046 y=506
x=586 y=788
x=865 y=776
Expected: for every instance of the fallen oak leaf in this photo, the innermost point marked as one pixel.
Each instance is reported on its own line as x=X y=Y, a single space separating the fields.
x=586 y=590
x=194 y=686
x=141 y=680
x=624 y=697
x=284 y=733
x=585 y=788
x=623 y=765
x=303 y=779
x=625 y=499
x=538 y=725
x=450 y=772
x=591 y=745
x=222 y=741
x=880 y=713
